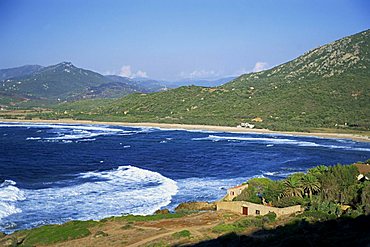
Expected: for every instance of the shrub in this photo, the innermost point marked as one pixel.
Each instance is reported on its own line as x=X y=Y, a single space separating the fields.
x=182 y=234
x=271 y=216
x=317 y=215
x=289 y=201
x=227 y=228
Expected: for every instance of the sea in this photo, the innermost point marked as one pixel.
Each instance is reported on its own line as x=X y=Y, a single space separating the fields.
x=53 y=173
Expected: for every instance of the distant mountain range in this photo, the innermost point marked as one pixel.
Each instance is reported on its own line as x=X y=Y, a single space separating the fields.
x=327 y=87
x=65 y=82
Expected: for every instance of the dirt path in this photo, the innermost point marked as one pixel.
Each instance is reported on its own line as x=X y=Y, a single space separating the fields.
x=195 y=231
x=147 y=240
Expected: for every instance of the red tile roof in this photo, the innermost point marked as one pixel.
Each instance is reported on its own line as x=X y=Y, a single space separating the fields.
x=363 y=168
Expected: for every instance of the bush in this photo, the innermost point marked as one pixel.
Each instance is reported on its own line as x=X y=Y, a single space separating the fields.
x=249 y=194
x=182 y=234
x=289 y=201
x=271 y=216
x=317 y=215
x=162 y=211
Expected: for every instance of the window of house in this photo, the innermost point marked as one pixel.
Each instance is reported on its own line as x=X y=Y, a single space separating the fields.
x=232 y=193
x=258 y=212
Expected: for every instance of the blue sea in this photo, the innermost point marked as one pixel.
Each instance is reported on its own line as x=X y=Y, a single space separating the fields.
x=52 y=173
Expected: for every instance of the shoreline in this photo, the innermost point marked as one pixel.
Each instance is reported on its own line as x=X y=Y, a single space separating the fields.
x=354 y=137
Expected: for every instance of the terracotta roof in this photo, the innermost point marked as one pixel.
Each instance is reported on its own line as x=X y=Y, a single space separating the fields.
x=363 y=168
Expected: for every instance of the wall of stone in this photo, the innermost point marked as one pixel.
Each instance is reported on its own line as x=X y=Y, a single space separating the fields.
x=237 y=207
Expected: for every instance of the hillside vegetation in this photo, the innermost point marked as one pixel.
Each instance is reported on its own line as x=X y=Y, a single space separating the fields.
x=327 y=87
x=37 y=86
x=322 y=191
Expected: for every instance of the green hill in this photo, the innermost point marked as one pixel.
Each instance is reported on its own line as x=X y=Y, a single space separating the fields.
x=326 y=87
x=59 y=81
x=18 y=71
x=36 y=85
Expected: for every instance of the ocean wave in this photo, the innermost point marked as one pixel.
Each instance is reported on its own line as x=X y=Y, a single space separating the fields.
x=279 y=174
x=277 y=141
x=66 y=133
x=125 y=190
x=9 y=195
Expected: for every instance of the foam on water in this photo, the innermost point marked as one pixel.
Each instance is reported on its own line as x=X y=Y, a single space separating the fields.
x=278 y=141
x=66 y=133
x=9 y=195
x=125 y=190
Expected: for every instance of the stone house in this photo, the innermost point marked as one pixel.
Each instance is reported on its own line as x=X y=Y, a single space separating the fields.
x=253 y=209
x=234 y=192
x=363 y=169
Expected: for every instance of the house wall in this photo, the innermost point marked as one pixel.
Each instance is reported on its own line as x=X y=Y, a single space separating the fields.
x=230 y=206
x=234 y=192
x=237 y=207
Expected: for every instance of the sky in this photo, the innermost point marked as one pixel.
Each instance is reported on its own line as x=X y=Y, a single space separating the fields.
x=172 y=39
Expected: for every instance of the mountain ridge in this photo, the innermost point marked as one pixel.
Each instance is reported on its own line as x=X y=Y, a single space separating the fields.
x=326 y=87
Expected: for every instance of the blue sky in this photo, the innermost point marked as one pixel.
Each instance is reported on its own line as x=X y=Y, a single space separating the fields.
x=172 y=39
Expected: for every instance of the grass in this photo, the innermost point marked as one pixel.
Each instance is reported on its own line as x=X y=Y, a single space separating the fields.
x=244 y=223
x=158 y=244
x=52 y=234
x=182 y=234
x=222 y=228
x=140 y=218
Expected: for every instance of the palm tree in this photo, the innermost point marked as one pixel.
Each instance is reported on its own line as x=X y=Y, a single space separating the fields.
x=311 y=184
x=318 y=170
x=293 y=186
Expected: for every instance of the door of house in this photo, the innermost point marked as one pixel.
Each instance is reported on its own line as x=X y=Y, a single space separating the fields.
x=245 y=210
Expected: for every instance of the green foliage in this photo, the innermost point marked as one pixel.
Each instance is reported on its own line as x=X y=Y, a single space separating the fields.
x=340 y=184
x=256 y=190
x=221 y=228
x=158 y=244
x=182 y=234
x=138 y=218
x=51 y=234
x=365 y=198
x=310 y=184
x=288 y=201
x=317 y=216
x=249 y=194
x=293 y=186
x=245 y=223
x=273 y=192
x=326 y=207
x=271 y=216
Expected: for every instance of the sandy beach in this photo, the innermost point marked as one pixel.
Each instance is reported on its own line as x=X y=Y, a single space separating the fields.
x=360 y=138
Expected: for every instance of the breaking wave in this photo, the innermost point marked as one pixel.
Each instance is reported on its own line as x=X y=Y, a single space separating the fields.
x=9 y=195
x=66 y=133
x=125 y=190
x=276 y=141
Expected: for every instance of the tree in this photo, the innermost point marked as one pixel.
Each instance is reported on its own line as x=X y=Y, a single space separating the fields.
x=293 y=186
x=365 y=198
x=310 y=184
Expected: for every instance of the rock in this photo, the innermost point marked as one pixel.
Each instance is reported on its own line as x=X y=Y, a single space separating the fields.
x=10 y=242
x=100 y=234
x=195 y=206
x=162 y=211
